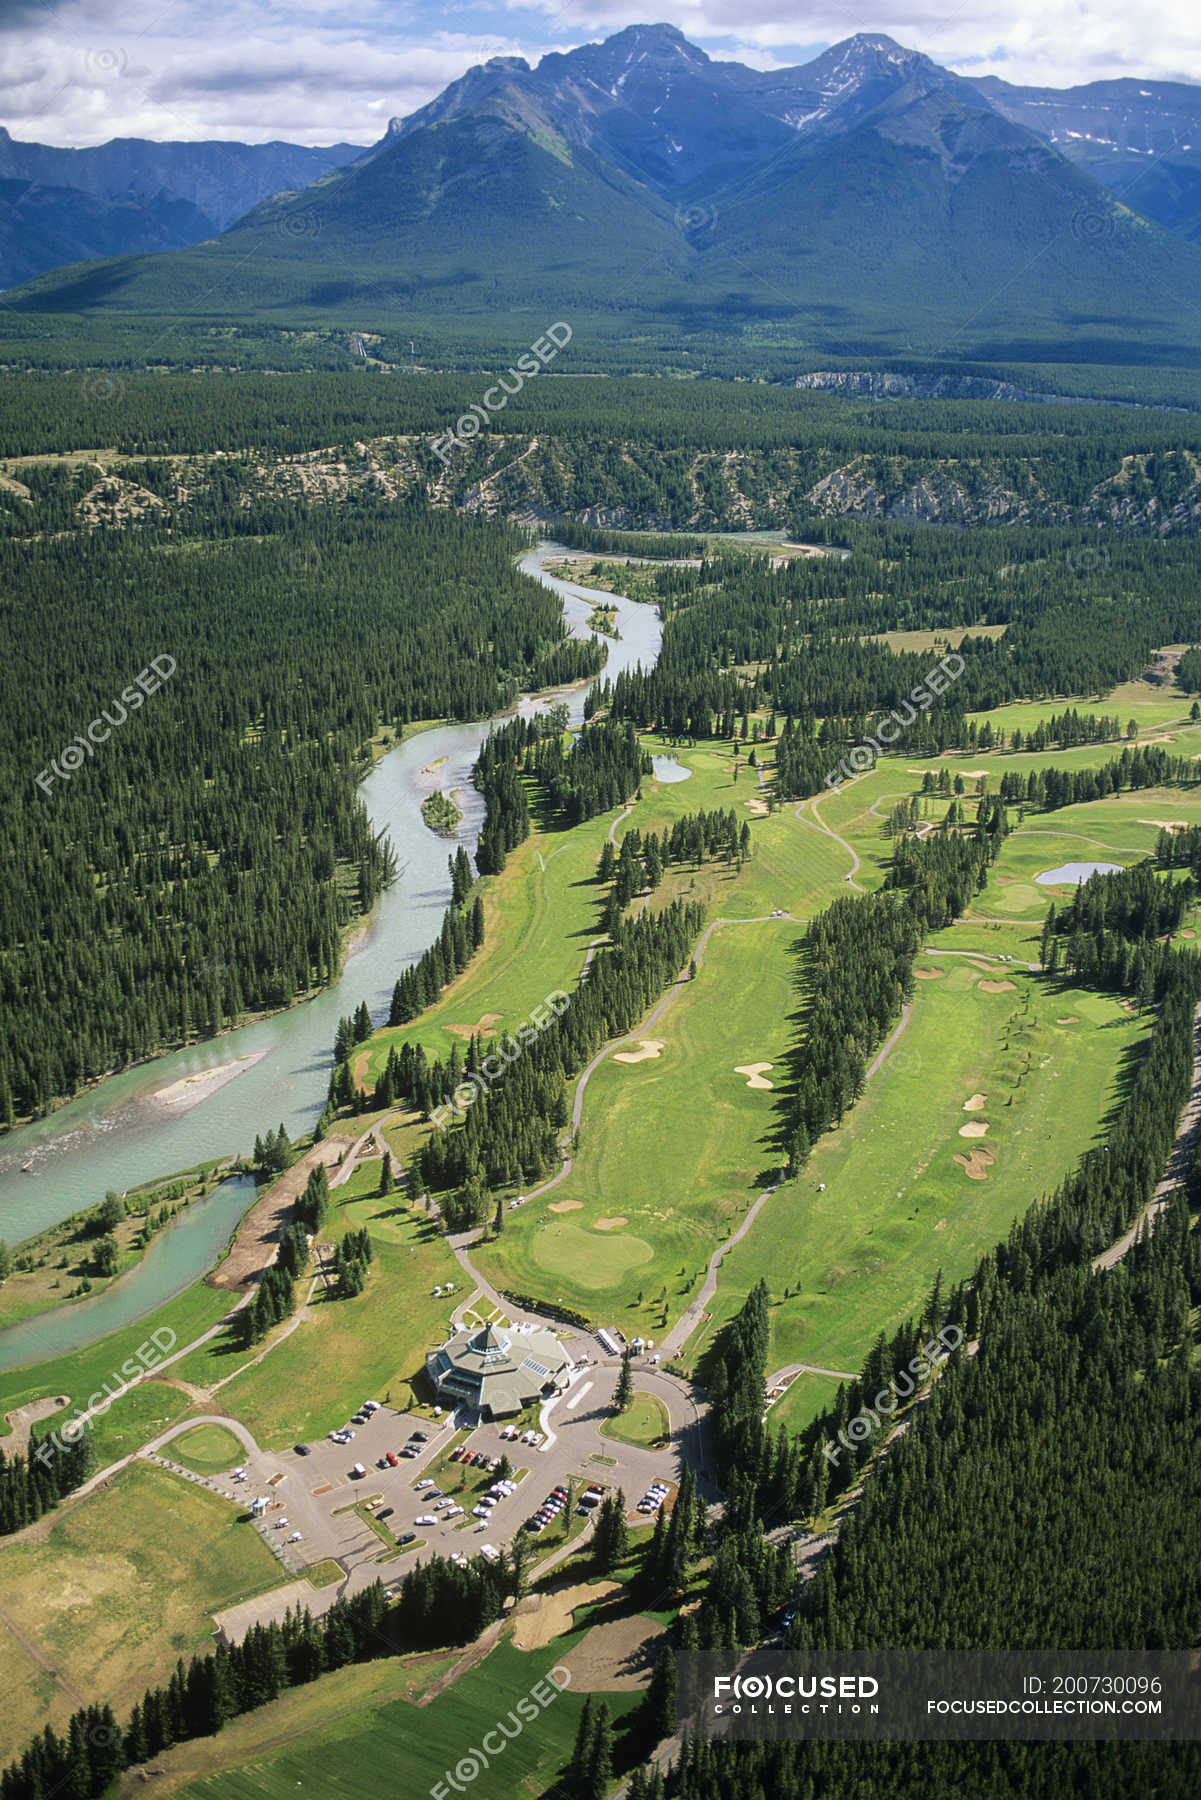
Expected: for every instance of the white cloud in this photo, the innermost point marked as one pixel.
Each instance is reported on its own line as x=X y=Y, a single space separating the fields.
x=80 y=71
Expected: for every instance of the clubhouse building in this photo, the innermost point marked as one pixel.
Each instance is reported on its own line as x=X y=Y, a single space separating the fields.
x=494 y=1373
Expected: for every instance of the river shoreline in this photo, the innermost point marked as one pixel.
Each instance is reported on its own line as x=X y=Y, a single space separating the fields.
x=129 y=1126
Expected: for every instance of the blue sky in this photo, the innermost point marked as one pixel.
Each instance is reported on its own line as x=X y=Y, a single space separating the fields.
x=82 y=71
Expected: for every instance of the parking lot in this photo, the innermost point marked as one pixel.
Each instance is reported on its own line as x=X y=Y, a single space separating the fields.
x=318 y=1509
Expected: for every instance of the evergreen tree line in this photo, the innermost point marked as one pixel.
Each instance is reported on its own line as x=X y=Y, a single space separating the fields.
x=510 y=1131
x=624 y=543
x=1142 y=766
x=858 y=969
x=638 y=865
x=1088 y=1211
x=1057 y=1463
x=438 y=1604
x=205 y=859
x=32 y=1485
x=1113 y=932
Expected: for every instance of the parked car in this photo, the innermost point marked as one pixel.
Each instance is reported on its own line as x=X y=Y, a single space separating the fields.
x=454 y=1511
x=424 y=1482
x=357 y=1471
x=295 y=1538
x=419 y=1437
x=479 y=1512
x=425 y=1519
x=385 y=1512
x=409 y=1537
x=391 y=1459
x=302 y=1449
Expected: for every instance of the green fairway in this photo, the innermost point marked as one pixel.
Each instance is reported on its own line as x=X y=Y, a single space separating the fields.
x=671 y=1147
x=996 y=1087
x=206 y=1448
x=115 y=1589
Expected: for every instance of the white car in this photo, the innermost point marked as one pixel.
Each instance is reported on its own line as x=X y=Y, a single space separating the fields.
x=425 y=1519
x=295 y=1538
x=454 y=1511
x=426 y=1481
x=479 y=1512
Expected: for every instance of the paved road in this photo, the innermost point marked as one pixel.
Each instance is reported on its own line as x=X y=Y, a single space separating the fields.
x=1177 y=1170
x=814 y=818
x=887 y=1045
x=688 y=1321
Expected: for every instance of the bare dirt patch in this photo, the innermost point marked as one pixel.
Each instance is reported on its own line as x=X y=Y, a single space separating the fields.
x=259 y=1233
x=754 y=1073
x=483 y=1029
x=617 y=1656
x=566 y=1206
x=542 y=1617
x=25 y=1417
x=997 y=987
x=975 y=1103
x=649 y=1051
x=976 y=1165
x=975 y=1128
x=613 y=1224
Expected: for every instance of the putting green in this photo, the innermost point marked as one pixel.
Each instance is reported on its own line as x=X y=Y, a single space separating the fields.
x=593 y=1259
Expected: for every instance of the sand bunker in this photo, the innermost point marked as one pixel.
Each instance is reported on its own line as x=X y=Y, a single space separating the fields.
x=754 y=1073
x=613 y=1224
x=483 y=1029
x=544 y=1617
x=1167 y=824
x=975 y=1103
x=974 y=774
x=997 y=987
x=929 y=974
x=650 y=1049
x=976 y=1165
x=974 y=1128
x=757 y=806
x=566 y=1206
x=1070 y=1019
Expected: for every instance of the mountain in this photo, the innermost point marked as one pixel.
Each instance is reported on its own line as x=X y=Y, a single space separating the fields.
x=866 y=203
x=43 y=227
x=1142 y=140
x=132 y=195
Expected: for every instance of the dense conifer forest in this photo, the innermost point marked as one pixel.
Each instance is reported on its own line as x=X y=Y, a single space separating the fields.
x=204 y=847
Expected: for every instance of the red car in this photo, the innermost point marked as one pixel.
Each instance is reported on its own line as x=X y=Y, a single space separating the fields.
x=393 y=1459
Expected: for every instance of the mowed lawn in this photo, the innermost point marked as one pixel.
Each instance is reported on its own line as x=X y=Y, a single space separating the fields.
x=346 y=1351
x=1036 y=1064
x=208 y=1449
x=85 y=1375
x=671 y=1147
x=403 y=1751
x=113 y=1590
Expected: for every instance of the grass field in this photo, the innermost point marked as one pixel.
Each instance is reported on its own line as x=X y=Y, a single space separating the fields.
x=345 y=1350
x=208 y=1449
x=135 y=1415
x=390 y=1746
x=644 y=1422
x=111 y=1591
